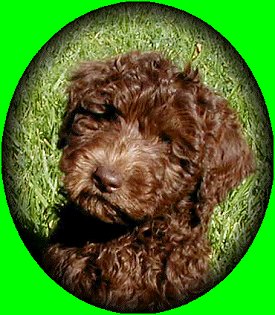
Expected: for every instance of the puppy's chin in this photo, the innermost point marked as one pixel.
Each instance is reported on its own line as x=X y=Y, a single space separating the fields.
x=100 y=207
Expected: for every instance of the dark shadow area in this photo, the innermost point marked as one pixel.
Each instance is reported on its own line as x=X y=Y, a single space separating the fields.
x=76 y=228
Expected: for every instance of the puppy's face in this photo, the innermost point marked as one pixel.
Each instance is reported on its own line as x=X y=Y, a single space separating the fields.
x=132 y=138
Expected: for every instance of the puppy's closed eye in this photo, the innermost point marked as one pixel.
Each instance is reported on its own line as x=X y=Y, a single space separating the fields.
x=99 y=111
x=111 y=112
x=96 y=109
x=93 y=117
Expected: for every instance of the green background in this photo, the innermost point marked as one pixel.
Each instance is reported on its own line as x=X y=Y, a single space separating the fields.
x=25 y=27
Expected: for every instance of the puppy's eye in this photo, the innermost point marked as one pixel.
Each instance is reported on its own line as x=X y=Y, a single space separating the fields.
x=105 y=111
x=111 y=113
x=165 y=138
x=99 y=111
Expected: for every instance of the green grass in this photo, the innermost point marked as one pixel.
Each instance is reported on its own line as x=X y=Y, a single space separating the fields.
x=32 y=178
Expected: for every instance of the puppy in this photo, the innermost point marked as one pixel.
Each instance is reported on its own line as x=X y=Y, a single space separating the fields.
x=148 y=152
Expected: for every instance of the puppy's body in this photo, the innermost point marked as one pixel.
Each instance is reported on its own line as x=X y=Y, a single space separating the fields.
x=151 y=149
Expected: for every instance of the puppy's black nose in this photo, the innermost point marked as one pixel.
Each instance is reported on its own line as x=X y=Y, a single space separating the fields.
x=106 y=179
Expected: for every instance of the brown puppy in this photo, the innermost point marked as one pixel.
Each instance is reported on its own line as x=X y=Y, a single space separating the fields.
x=148 y=150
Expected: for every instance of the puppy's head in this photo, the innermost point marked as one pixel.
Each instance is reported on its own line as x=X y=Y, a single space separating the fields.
x=140 y=138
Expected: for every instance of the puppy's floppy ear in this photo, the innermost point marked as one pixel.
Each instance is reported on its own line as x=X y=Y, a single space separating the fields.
x=227 y=156
x=84 y=83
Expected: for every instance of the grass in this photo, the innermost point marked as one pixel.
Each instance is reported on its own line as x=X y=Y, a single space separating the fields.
x=30 y=156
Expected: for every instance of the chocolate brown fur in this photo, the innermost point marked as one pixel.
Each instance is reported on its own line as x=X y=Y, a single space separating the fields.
x=147 y=150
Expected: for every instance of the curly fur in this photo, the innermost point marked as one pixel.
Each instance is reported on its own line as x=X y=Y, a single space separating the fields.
x=148 y=151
